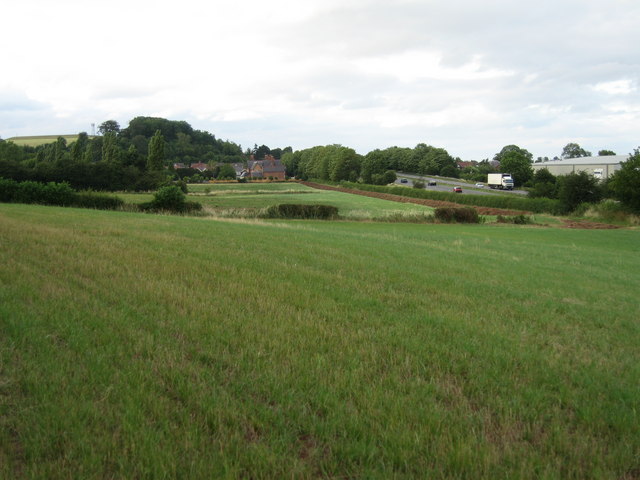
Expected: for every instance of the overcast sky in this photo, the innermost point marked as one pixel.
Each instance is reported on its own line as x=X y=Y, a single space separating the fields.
x=465 y=75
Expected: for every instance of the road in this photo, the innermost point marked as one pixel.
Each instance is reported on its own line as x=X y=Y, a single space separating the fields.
x=446 y=185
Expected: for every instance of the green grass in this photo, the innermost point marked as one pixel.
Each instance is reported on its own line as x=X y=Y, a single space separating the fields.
x=141 y=346
x=37 y=140
x=238 y=199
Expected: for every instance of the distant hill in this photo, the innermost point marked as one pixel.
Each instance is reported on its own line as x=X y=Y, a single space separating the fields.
x=36 y=140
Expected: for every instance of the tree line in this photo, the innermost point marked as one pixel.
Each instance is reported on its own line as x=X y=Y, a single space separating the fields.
x=378 y=167
x=134 y=158
x=141 y=156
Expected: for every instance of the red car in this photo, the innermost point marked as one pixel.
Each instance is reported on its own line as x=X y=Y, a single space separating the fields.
x=457 y=189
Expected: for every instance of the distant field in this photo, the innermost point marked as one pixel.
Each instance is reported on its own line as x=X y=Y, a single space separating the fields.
x=37 y=140
x=144 y=346
x=256 y=196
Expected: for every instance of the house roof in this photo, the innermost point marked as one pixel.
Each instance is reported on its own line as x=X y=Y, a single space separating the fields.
x=272 y=166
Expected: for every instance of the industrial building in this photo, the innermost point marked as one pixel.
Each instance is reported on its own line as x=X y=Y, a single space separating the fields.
x=600 y=167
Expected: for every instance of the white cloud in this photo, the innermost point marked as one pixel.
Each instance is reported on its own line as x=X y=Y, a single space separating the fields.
x=468 y=76
x=616 y=87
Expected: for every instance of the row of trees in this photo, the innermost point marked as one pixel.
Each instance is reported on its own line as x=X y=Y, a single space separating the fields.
x=137 y=158
x=336 y=163
x=134 y=158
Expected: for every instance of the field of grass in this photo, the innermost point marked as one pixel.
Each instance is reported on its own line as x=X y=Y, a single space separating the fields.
x=142 y=346
x=37 y=140
x=235 y=197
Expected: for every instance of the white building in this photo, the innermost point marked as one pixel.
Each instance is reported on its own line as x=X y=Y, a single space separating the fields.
x=599 y=167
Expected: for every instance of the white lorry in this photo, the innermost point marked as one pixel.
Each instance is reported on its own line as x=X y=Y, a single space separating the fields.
x=503 y=181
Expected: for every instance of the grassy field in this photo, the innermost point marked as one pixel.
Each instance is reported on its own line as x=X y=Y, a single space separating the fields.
x=231 y=199
x=37 y=140
x=142 y=346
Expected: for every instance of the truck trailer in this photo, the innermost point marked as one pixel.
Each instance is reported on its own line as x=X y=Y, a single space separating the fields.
x=503 y=181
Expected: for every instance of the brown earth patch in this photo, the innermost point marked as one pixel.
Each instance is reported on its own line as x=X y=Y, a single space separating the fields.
x=417 y=201
x=588 y=225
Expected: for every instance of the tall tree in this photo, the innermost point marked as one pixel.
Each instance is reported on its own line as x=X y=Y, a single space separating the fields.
x=59 y=149
x=625 y=183
x=573 y=150
x=110 y=150
x=517 y=162
x=155 y=159
x=110 y=126
x=606 y=153
x=260 y=152
x=577 y=188
x=512 y=148
x=79 y=146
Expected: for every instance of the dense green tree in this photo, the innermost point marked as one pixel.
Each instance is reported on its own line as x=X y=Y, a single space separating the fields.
x=344 y=163
x=260 y=152
x=147 y=126
x=9 y=151
x=79 y=146
x=226 y=172
x=573 y=150
x=110 y=149
x=155 y=158
x=517 y=162
x=577 y=188
x=59 y=149
x=401 y=159
x=110 y=126
x=432 y=160
x=624 y=184
x=606 y=153
x=276 y=152
x=375 y=162
x=543 y=175
x=450 y=171
x=291 y=162
x=512 y=148
x=544 y=184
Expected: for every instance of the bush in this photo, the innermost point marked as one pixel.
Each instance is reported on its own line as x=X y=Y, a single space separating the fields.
x=57 y=194
x=183 y=186
x=60 y=194
x=171 y=199
x=607 y=210
x=288 y=210
x=455 y=214
x=625 y=183
x=577 y=188
x=97 y=201
x=8 y=190
x=418 y=184
x=516 y=219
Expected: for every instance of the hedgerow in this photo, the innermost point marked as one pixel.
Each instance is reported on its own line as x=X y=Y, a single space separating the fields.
x=507 y=202
x=51 y=193
x=458 y=215
x=290 y=210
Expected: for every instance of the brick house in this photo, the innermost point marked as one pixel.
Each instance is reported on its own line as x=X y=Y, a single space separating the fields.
x=270 y=167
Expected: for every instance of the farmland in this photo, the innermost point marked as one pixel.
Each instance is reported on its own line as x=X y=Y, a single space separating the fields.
x=236 y=199
x=163 y=346
x=37 y=140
